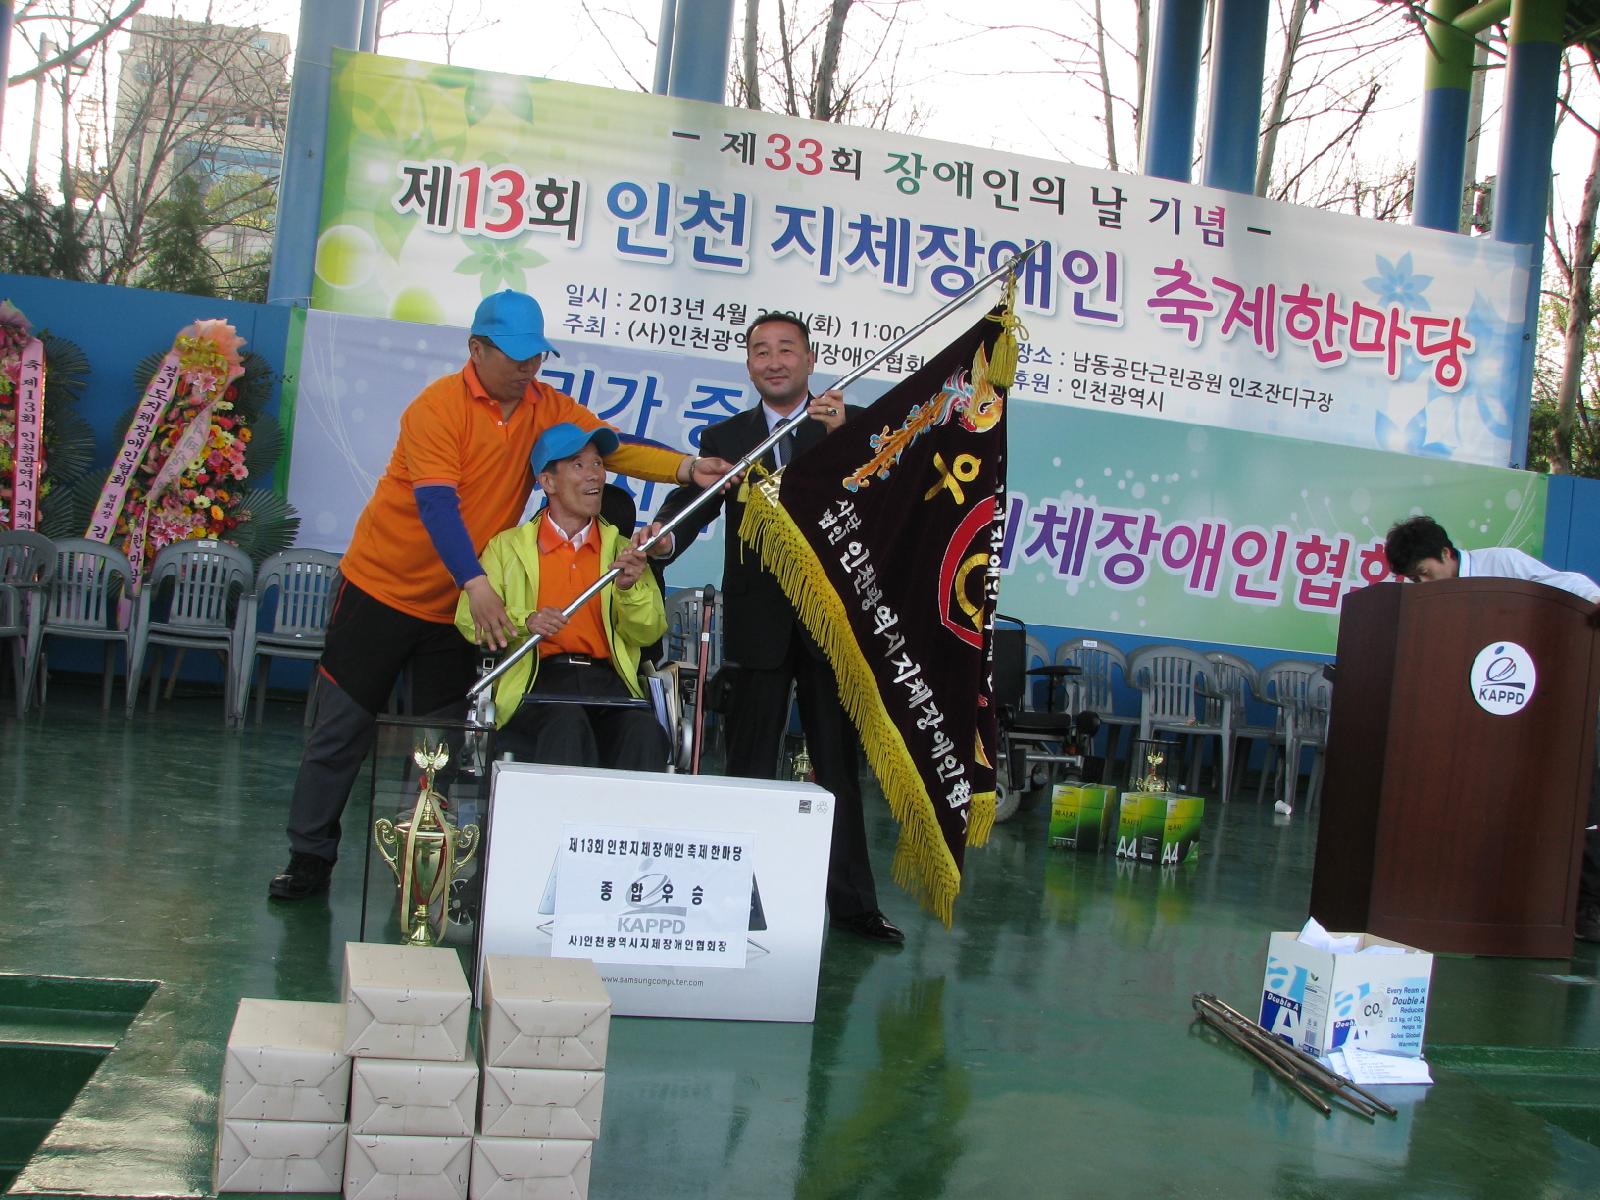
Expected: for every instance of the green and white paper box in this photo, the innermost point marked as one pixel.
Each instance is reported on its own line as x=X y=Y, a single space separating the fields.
x=1082 y=816
x=1159 y=827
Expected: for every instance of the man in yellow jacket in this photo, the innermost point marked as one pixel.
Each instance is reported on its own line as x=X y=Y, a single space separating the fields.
x=538 y=569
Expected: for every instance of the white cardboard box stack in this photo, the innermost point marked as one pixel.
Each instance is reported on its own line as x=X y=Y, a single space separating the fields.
x=546 y=1023
x=414 y=1084
x=285 y=1082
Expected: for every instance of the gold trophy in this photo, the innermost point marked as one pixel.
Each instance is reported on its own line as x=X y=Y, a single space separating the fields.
x=423 y=854
x=802 y=768
x=1155 y=779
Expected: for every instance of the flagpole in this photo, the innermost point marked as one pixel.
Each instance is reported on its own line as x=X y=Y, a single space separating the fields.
x=476 y=691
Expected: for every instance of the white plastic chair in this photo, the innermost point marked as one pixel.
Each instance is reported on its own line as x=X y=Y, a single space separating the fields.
x=1236 y=677
x=205 y=583
x=27 y=565
x=1172 y=681
x=1095 y=689
x=1307 y=728
x=305 y=582
x=91 y=580
x=1284 y=682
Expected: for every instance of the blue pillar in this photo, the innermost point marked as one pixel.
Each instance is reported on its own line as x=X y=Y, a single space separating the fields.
x=1174 y=90
x=699 y=71
x=324 y=25
x=1522 y=188
x=371 y=10
x=1446 y=96
x=664 y=39
x=1233 y=125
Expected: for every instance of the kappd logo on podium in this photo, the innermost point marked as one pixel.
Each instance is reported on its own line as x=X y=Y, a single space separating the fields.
x=1502 y=678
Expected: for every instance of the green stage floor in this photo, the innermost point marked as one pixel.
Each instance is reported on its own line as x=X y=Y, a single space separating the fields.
x=1040 y=1048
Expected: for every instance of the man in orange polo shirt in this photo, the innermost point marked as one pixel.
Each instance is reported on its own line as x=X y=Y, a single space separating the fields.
x=538 y=569
x=458 y=476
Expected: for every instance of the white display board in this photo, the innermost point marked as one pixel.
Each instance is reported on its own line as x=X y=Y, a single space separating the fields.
x=634 y=870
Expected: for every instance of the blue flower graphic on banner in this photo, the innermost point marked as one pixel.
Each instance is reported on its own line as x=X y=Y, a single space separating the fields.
x=1492 y=362
x=1494 y=367
x=1395 y=284
x=1410 y=438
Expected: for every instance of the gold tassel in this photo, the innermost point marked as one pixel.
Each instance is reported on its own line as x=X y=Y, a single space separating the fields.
x=923 y=864
x=1002 y=368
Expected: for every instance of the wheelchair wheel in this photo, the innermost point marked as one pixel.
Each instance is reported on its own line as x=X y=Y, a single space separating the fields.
x=1007 y=799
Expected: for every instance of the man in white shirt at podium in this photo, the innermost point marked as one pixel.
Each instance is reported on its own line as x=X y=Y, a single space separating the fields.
x=1420 y=550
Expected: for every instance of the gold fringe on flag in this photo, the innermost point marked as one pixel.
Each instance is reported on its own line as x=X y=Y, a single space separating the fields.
x=923 y=864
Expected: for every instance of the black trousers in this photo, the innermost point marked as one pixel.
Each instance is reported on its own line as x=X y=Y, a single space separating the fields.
x=368 y=645
x=758 y=713
x=569 y=733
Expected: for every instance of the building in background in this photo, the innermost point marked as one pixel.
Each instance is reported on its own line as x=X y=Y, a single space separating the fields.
x=206 y=103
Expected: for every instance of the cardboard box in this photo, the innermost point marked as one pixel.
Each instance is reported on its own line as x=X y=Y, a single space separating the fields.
x=529 y=1102
x=285 y=1061
x=388 y=1167
x=1319 y=1001
x=530 y=1169
x=1082 y=816
x=405 y=1002
x=1159 y=827
x=280 y=1156
x=544 y=1012
x=423 y=1099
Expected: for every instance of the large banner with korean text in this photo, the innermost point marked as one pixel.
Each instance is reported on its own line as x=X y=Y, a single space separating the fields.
x=662 y=226
x=1183 y=531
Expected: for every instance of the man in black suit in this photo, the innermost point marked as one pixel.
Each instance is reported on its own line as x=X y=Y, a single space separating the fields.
x=763 y=637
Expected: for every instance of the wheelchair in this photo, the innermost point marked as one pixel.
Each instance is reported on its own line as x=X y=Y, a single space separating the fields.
x=1036 y=749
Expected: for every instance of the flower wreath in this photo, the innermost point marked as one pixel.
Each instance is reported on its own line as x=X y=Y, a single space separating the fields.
x=22 y=450
x=43 y=440
x=151 y=497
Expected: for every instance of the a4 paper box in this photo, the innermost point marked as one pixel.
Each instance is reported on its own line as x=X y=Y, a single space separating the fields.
x=1161 y=827
x=1083 y=816
x=1375 y=997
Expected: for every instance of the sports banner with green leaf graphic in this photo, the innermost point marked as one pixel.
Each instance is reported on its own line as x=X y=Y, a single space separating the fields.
x=664 y=225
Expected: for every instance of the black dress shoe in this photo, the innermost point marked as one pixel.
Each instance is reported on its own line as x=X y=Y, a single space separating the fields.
x=306 y=875
x=873 y=926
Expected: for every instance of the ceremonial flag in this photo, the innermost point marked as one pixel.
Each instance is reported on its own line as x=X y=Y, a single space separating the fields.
x=886 y=538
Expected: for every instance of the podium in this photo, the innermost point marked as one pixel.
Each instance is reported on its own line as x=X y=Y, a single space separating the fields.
x=1460 y=749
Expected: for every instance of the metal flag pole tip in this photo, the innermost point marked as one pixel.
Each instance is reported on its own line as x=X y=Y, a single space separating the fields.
x=481 y=712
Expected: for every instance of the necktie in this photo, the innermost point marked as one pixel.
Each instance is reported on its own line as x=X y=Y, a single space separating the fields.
x=784 y=450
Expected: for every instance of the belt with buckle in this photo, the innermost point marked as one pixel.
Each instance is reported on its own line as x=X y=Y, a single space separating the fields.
x=575 y=660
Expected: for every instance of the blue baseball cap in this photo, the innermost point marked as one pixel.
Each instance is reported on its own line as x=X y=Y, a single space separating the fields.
x=514 y=322
x=565 y=440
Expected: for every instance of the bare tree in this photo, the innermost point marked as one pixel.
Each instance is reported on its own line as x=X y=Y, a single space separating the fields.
x=1294 y=30
x=751 y=49
x=1567 y=364
x=202 y=101
x=808 y=59
x=449 y=22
